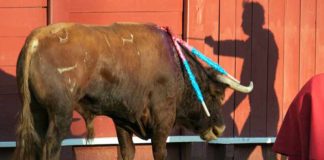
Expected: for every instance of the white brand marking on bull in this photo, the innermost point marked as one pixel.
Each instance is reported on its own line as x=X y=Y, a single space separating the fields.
x=33 y=46
x=130 y=40
x=72 y=86
x=85 y=57
x=66 y=69
x=107 y=41
x=57 y=30
x=64 y=39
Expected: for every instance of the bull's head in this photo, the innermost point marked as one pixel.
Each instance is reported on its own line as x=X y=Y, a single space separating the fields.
x=212 y=127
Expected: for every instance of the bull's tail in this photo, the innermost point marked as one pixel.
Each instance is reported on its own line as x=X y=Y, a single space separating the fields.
x=90 y=129
x=88 y=118
x=27 y=137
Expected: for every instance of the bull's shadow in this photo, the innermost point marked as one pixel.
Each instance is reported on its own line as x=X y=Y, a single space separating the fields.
x=264 y=45
x=9 y=105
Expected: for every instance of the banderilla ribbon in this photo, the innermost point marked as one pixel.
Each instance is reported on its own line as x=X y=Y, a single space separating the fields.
x=197 y=53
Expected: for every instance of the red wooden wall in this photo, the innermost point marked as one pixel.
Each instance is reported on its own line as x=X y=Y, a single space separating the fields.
x=278 y=56
x=18 y=18
x=105 y=12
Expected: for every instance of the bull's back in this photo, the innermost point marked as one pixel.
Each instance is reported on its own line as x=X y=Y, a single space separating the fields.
x=141 y=51
x=73 y=58
x=63 y=56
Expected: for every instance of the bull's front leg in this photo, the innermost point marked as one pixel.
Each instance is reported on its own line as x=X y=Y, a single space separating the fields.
x=159 y=146
x=127 y=148
x=164 y=119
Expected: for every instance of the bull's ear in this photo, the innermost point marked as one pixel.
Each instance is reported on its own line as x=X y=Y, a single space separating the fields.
x=211 y=73
x=217 y=89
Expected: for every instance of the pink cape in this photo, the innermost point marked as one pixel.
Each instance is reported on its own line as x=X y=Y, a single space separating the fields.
x=301 y=136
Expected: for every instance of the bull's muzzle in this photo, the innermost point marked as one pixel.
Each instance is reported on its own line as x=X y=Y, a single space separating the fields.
x=212 y=133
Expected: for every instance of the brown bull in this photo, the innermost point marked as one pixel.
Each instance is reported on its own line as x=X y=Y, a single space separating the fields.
x=129 y=72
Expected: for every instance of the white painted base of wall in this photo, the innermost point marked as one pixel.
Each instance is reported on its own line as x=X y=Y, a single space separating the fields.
x=171 y=139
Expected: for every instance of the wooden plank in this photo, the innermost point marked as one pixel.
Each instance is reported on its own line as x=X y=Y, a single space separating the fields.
x=307 y=40
x=275 y=66
x=77 y=128
x=103 y=126
x=268 y=153
x=194 y=151
x=7 y=153
x=202 y=23
x=129 y=6
x=243 y=152
x=260 y=39
x=171 y=19
x=211 y=26
x=8 y=89
x=243 y=66
x=8 y=83
x=96 y=153
x=22 y=3
x=320 y=37
x=67 y=153
x=27 y=18
x=7 y=73
x=291 y=52
x=59 y=11
x=254 y=152
x=9 y=103
x=227 y=57
x=174 y=151
x=143 y=152
x=216 y=151
x=9 y=50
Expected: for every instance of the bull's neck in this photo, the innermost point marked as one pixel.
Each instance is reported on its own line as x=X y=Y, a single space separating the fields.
x=189 y=100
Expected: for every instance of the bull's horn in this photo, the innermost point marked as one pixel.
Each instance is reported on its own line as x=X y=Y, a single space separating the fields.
x=234 y=85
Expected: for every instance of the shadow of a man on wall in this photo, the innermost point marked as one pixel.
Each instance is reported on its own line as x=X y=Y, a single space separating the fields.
x=257 y=51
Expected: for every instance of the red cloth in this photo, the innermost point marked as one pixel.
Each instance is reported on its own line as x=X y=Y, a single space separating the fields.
x=301 y=136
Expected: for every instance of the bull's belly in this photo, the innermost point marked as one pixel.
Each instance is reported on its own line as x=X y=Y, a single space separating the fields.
x=122 y=113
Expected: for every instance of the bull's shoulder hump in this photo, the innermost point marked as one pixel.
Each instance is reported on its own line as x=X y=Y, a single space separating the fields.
x=127 y=23
x=60 y=31
x=57 y=27
x=44 y=31
x=131 y=25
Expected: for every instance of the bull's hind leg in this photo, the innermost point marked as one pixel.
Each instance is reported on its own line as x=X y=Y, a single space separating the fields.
x=60 y=118
x=40 y=118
